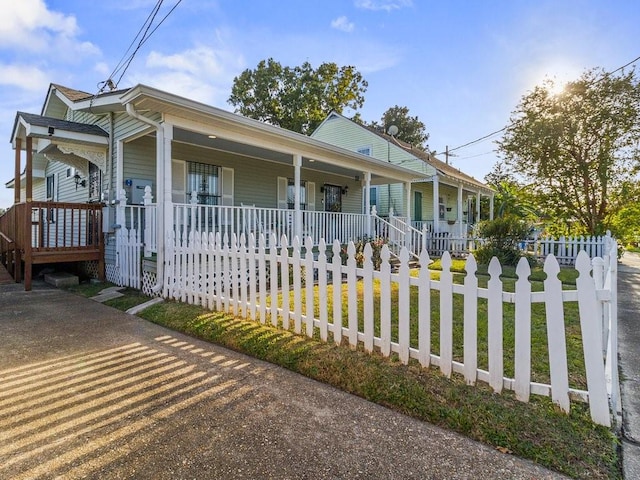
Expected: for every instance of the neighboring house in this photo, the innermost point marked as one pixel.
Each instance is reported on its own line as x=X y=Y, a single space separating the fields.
x=441 y=197
x=85 y=152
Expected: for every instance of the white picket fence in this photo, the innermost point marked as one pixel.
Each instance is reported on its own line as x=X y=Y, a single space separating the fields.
x=246 y=279
x=564 y=249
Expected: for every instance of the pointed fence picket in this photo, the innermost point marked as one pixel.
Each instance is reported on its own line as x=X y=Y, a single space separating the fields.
x=242 y=276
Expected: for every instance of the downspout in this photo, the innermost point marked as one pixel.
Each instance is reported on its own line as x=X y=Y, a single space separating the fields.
x=160 y=173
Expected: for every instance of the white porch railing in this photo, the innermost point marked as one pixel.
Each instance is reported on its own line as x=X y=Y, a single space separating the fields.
x=340 y=226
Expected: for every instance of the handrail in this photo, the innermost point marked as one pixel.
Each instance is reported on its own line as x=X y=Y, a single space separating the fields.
x=5 y=238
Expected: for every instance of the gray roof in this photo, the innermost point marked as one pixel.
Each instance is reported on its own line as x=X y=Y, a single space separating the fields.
x=40 y=121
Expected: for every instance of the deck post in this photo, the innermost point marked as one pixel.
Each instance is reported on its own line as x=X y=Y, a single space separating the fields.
x=16 y=178
x=28 y=258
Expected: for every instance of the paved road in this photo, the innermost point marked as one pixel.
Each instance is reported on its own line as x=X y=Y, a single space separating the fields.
x=629 y=348
x=90 y=392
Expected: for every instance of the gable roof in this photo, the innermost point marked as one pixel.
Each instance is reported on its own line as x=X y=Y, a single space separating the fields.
x=442 y=167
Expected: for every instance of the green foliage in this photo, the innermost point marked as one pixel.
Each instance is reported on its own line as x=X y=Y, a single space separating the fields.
x=297 y=98
x=576 y=149
x=376 y=248
x=503 y=236
x=624 y=223
x=410 y=129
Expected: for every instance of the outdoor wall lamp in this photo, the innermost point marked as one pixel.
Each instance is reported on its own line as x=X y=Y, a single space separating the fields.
x=345 y=189
x=82 y=183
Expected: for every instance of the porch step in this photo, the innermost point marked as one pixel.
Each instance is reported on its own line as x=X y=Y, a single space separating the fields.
x=61 y=279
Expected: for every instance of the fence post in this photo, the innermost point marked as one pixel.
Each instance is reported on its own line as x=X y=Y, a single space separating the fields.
x=591 y=341
x=149 y=223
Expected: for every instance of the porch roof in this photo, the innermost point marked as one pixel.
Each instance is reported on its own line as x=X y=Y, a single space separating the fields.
x=236 y=131
x=54 y=129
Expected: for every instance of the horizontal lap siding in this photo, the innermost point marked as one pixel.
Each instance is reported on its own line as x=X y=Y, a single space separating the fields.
x=256 y=181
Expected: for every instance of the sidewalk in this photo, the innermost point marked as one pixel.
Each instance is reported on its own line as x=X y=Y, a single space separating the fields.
x=629 y=355
x=91 y=392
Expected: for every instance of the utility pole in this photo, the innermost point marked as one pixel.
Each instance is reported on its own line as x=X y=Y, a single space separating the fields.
x=446 y=154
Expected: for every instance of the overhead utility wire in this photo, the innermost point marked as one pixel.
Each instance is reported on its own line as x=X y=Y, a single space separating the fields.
x=504 y=128
x=147 y=34
x=148 y=20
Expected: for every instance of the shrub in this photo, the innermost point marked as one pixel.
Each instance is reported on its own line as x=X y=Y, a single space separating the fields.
x=503 y=237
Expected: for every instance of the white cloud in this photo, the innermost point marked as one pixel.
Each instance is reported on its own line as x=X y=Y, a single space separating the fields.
x=34 y=28
x=26 y=77
x=201 y=73
x=387 y=5
x=342 y=23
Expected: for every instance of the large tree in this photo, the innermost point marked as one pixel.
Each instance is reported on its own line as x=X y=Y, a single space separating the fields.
x=297 y=98
x=410 y=129
x=578 y=147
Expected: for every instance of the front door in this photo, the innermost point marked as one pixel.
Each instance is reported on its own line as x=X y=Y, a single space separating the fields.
x=417 y=206
x=332 y=198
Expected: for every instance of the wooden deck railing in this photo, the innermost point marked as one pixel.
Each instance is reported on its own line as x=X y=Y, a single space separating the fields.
x=51 y=232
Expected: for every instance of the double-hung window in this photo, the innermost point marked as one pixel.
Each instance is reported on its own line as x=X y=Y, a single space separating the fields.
x=291 y=191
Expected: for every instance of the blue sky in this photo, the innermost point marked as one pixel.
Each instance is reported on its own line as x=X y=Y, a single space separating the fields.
x=461 y=66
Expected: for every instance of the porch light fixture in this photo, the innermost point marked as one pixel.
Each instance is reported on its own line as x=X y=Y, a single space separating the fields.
x=345 y=189
x=82 y=183
x=51 y=130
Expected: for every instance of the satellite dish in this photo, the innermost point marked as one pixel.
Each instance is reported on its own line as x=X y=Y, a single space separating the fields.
x=393 y=130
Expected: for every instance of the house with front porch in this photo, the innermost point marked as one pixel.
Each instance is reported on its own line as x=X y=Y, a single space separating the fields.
x=441 y=198
x=100 y=178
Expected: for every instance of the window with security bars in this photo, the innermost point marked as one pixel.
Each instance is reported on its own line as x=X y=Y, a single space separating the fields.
x=204 y=179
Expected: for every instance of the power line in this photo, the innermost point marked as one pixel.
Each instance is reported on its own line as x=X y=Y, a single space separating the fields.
x=504 y=128
x=478 y=139
x=124 y=64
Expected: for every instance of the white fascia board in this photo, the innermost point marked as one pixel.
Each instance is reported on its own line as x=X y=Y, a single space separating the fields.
x=66 y=136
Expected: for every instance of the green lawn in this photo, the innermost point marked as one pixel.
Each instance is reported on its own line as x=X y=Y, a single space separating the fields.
x=568 y=443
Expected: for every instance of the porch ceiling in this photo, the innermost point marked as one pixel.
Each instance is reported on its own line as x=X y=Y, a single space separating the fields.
x=253 y=151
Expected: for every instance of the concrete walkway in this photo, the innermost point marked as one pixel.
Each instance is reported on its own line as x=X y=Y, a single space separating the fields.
x=90 y=392
x=629 y=354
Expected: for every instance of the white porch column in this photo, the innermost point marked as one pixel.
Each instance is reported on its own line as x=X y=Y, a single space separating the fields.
x=297 y=163
x=478 y=199
x=460 y=226
x=407 y=189
x=436 y=205
x=367 y=202
x=165 y=137
x=491 y=207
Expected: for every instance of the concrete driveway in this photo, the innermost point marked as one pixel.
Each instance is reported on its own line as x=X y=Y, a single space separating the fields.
x=89 y=392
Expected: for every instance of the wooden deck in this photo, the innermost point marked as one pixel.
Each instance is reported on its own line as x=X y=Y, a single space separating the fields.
x=50 y=232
